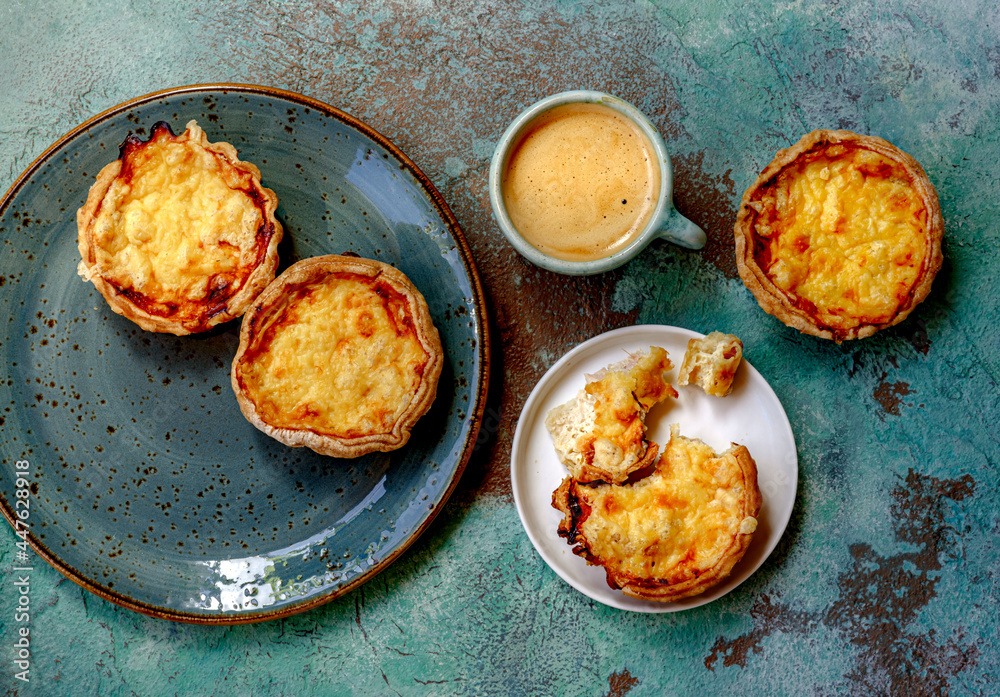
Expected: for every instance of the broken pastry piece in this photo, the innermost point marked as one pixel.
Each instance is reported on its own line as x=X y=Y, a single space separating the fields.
x=600 y=434
x=673 y=534
x=711 y=363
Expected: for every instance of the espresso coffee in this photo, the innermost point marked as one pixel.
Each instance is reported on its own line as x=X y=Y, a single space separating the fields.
x=582 y=182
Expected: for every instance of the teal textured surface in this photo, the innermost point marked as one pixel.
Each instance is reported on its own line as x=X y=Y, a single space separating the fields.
x=886 y=580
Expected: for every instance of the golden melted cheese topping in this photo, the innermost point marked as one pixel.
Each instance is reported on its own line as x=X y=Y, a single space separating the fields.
x=675 y=523
x=178 y=225
x=340 y=357
x=844 y=235
x=623 y=396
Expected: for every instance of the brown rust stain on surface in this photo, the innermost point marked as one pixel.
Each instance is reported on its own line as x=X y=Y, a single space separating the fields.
x=880 y=598
x=621 y=683
x=890 y=395
x=710 y=206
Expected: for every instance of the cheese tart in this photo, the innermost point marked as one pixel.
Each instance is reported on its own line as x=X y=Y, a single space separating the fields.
x=600 y=435
x=840 y=235
x=673 y=534
x=338 y=354
x=178 y=234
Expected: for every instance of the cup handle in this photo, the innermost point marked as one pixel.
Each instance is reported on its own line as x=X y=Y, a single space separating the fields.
x=681 y=231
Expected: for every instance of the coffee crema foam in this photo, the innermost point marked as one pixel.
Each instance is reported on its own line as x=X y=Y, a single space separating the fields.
x=582 y=182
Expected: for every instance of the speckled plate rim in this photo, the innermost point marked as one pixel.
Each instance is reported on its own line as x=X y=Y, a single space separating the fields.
x=535 y=471
x=475 y=416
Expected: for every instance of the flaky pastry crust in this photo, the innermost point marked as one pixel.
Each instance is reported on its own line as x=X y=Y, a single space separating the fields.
x=178 y=234
x=850 y=300
x=339 y=354
x=673 y=534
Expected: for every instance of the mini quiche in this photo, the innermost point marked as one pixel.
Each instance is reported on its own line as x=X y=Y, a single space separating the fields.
x=178 y=234
x=840 y=236
x=600 y=435
x=338 y=354
x=673 y=534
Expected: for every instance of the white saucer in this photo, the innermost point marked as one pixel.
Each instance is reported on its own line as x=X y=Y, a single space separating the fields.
x=750 y=415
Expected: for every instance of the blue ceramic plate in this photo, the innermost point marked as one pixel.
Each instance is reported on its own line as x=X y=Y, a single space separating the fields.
x=145 y=483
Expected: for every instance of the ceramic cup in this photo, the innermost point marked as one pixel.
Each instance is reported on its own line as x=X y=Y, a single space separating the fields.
x=665 y=223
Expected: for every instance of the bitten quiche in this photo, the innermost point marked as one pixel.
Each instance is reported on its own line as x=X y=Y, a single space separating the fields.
x=840 y=236
x=673 y=534
x=600 y=435
x=338 y=354
x=178 y=234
